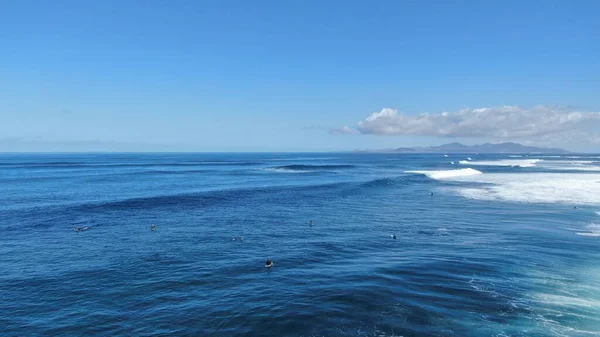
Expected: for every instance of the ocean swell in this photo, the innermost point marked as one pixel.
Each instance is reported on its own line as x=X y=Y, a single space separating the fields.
x=305 y=168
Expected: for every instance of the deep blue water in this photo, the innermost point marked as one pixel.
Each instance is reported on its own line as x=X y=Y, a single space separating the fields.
x=502 y=253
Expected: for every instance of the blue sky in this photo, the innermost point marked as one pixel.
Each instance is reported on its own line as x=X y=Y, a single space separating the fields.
x=286 y=75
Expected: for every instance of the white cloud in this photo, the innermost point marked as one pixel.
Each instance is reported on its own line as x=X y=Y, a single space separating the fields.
x=346 y=130
x=541 y=123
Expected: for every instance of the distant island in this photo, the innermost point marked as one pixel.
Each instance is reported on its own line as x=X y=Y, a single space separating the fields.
x=507 y=147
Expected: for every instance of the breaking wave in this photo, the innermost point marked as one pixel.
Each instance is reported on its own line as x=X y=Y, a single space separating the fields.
x=308 y=168
x=446 y=174
x=390 y=182
x=574 y=189
x=592 y=230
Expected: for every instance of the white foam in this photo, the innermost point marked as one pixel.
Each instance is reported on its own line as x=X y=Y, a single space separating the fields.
x=597 y=213
x=576 y=168
x=446 y=155
x=452 y=162
x=515 y=156
x=446 y=174
x=588 y=234
x=571 y=165
x=577 y=162
x=567 y=301
x=592 y=230
x=504 y=162
x=469 y=158
x=568 y=188
x=572 y=292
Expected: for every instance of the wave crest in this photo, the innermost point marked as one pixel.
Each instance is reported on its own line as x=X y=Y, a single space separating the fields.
x=304 y=168
x=444 y=174
x=389 y=182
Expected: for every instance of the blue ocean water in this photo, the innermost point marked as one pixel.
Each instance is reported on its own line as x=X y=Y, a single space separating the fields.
x=490 y=245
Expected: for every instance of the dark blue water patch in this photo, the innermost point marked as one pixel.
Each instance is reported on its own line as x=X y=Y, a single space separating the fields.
x=397 y=181
x=298 y=167
x=104 y=176
x=210 y=198
x=33 y=179
x=34 y=163
x=169 y=172
x=45 y=216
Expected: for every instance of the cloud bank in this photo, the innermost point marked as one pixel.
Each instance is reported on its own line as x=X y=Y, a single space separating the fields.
x=538 y=124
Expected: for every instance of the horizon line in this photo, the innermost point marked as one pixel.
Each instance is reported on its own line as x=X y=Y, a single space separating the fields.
x=360 y=152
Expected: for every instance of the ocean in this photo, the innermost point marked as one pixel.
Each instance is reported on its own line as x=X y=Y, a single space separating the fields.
x=486 y=245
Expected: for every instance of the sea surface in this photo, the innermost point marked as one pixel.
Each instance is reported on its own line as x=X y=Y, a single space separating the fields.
x=487 y=245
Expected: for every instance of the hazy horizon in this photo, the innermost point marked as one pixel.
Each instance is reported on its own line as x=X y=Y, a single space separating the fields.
x=358 y=150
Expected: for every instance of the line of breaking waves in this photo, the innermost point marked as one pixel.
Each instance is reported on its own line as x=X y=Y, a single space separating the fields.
x=218 y=198
x=533 y=187
x=552 y=164
x=446 y=174
x=221 y=196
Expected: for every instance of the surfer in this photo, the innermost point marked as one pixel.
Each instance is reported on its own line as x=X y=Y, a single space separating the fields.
x=269 y=263
x=77 y=229
x=311 y=222
x=394 y=236
x=431 y=194
x=152 y=227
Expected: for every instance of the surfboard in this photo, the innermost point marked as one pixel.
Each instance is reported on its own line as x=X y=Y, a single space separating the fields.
x=269 y=265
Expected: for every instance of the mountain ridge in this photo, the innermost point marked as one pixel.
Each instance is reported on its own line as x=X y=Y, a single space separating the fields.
x=455 y=147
